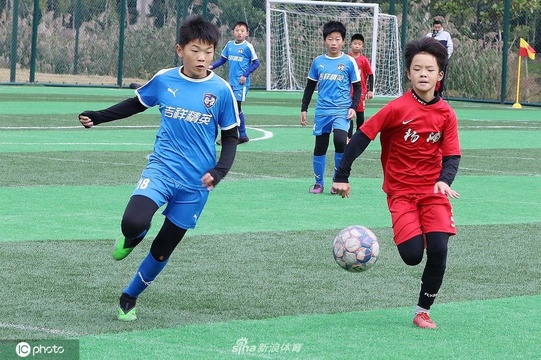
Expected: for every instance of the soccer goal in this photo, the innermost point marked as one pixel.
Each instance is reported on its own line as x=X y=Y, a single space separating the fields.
x=294 y=39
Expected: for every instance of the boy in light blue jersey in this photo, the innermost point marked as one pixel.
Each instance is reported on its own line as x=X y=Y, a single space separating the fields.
x=334 y=73
x=194 y=104
x=243 y=61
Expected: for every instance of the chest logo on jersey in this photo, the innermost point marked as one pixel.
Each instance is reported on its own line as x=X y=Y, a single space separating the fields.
x=174 y=92
x=241 y=51
x=341 y=67
x=209 y=100
x=412 y=136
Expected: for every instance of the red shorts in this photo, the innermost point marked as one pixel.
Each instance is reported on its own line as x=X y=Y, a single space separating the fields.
x=414 y=215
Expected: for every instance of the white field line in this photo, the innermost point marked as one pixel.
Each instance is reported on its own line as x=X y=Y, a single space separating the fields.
x=265 y=135
x=498 y=172
x=490 y=127
x=74 y=143
x=67 y=160
x=501 y=157
x=29 y=328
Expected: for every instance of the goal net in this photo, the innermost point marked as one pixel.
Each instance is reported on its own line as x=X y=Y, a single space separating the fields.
x=295 y=38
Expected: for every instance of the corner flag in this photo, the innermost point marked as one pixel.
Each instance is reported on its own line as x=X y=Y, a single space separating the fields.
x=526 y=49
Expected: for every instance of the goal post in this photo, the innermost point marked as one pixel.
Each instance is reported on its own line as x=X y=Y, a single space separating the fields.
x=295 y=38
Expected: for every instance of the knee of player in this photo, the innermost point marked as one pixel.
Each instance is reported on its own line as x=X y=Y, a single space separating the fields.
x=412 y=259
x=132 y=228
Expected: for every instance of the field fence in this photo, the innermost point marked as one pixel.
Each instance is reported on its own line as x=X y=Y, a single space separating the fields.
x=81 y=43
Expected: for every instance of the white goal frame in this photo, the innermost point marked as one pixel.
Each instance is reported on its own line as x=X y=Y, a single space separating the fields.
x=297 y=81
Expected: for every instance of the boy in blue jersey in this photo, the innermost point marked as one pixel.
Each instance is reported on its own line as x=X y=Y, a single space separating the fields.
x=334 y=73
x=194 y=103
x=243 y=61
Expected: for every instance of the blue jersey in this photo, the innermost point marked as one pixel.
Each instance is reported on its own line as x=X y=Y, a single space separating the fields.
x=334 y=77
x=240 y=57
x=192 y=111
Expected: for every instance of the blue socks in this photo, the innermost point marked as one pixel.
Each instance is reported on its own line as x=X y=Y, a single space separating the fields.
x=147 y=272
x=242 y=126
x=337 y=159
x=319 y=168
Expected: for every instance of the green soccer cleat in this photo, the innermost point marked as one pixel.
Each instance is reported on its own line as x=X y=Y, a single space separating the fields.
x=120 y=251
x=129 y=316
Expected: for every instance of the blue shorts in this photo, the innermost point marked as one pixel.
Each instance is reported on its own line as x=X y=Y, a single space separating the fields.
x=240 y=92
x=184 y=205
x=324 y=124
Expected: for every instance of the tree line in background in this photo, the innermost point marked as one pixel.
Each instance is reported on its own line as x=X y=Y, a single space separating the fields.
x=475 y=19
x=477 y=27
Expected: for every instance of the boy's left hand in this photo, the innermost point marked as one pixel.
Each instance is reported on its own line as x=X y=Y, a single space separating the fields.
x=351 y=113
x=443 y=188
x=342 y=189
x=208 y=181
x=369 y=95
x=242 y=80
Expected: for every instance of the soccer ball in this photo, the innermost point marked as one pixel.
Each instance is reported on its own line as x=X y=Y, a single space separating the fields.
x=356 y=248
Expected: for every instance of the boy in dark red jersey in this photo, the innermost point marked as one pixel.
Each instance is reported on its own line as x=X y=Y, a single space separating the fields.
x=420 y=156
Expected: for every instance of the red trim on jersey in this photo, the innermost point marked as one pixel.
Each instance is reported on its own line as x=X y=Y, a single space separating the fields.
x=414 y=138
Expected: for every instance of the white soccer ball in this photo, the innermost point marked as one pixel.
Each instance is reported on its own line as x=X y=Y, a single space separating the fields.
x=356 y=248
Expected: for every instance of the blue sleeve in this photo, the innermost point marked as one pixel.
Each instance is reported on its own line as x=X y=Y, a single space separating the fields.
x=252 y=68
x=222 y=60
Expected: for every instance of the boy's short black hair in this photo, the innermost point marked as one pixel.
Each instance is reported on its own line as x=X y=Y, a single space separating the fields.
x=425 y=45
x=334 y=26
x=436 y=22
x=241 y=23
x=196 y=28
x=357 y=37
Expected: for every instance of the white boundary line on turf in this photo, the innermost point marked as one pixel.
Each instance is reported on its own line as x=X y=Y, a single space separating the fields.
x=37 y=329
x=74 y=143
x=266 y=134
x=488 y=127
x=115 y=127
x=508 y=173
x=75 y=127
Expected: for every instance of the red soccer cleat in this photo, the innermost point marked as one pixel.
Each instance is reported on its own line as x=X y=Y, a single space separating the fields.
x=424 y=321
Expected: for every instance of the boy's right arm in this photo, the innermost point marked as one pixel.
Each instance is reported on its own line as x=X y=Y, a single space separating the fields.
x=359 y=142
x=121 y=110
x=222 y=60
x=306 y=98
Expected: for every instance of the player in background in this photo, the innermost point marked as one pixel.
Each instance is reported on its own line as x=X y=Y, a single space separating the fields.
x=367 y=79
x=243 y=61
x=194 y=104
x=445 y=39
x=420 y=154
x=334 y=73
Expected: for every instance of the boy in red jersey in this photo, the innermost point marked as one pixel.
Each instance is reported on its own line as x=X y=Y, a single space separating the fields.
x=367 y=79
x=420 y=156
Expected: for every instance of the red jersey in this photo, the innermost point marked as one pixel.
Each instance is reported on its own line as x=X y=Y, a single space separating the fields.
x=415 y=136
x=365 y=69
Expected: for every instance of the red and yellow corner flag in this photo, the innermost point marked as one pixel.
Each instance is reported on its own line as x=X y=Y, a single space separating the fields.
x=526 y=49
